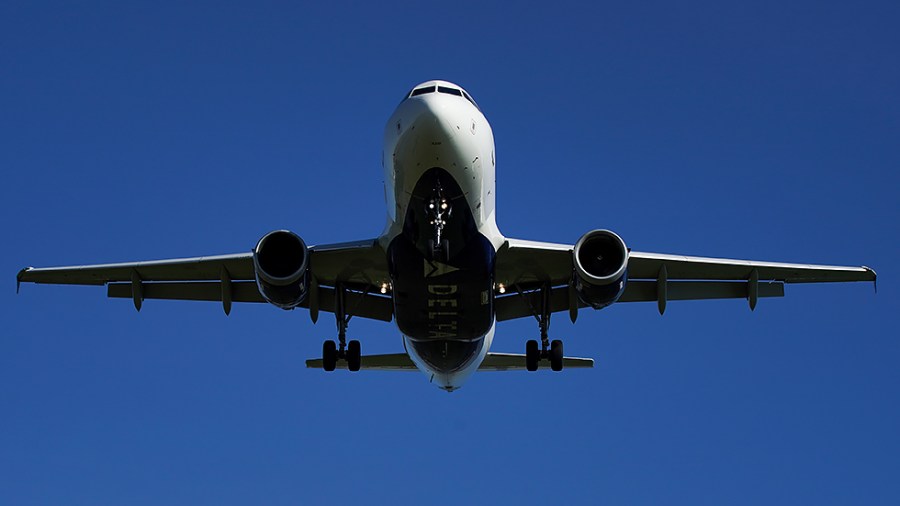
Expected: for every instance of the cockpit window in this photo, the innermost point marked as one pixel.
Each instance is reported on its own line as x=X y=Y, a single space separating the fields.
x=415 y=92
x=449 y=91
x=470 y=100
x=421 y=91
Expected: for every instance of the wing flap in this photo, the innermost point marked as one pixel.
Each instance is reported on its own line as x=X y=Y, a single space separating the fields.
x=646 y=291
x=241 y=291
x=364 y=305
x=517 y=305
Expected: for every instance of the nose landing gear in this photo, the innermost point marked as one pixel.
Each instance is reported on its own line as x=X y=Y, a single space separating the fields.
x=439 y=209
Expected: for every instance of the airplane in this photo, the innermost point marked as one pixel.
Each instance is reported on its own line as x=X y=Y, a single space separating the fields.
x=441 y=269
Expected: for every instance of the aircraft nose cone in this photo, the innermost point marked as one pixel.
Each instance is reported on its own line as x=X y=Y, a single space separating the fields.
x=433 y=120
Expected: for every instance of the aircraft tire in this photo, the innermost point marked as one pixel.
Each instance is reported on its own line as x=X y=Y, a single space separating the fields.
x=354 y=356
x=532 y=355
x=556 y=355
x=329 y=355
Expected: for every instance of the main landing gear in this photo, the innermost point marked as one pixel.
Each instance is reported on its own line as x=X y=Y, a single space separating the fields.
x=554 y=354
x=349 y=351
x=438 y=210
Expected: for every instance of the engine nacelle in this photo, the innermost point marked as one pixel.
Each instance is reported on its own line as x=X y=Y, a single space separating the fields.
x=601 y=268
x=281 y=262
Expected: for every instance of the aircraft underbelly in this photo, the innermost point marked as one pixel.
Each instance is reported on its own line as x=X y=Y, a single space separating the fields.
x=447 y=299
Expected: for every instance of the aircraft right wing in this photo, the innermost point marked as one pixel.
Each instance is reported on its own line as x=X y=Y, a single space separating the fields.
x=524 y=267
x=358 y=266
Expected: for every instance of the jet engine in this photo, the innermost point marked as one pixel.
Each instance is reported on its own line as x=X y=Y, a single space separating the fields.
x=281 y=262
x=601 y=263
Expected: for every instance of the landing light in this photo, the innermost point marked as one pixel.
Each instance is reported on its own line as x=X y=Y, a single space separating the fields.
x=384 y=288
x=501 y=288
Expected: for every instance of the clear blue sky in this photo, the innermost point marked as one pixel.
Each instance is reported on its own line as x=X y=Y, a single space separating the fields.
x=753 y=130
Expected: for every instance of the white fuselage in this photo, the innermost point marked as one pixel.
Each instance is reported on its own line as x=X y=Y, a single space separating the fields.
x=446 y=130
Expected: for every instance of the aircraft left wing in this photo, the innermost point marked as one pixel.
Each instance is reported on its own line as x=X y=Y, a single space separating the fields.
x=524 y=267
x=360 y=267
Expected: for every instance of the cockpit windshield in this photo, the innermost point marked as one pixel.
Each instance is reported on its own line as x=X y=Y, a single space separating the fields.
x=421 y=91
x=445 y=88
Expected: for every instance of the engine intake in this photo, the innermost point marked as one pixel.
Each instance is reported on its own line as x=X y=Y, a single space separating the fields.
x=281 y=262
x=601 y=263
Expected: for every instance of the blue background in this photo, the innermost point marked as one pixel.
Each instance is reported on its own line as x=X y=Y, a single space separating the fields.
x=762 y=130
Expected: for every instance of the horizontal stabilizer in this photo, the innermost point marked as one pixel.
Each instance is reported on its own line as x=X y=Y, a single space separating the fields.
x=492 y=362
x=388 y=362
x=516 y=362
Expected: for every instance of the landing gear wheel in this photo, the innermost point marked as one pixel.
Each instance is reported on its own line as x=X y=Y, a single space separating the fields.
x=329 y=355
x=532 y=355
x=354 y=358
x=556 y=355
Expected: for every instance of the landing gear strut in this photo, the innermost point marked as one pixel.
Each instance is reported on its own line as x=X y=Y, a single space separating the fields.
x=554 y=354
x=332 y=352
x=438 y=210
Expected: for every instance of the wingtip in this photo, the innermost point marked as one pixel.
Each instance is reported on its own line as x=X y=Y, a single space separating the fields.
x=874 y=276
x=19 y=277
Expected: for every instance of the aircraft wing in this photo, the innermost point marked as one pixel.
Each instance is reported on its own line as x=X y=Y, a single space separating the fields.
x=359 y=266
x=523 y=267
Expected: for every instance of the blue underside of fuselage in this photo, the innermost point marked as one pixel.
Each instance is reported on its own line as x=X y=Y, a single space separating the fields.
x=445 y=305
